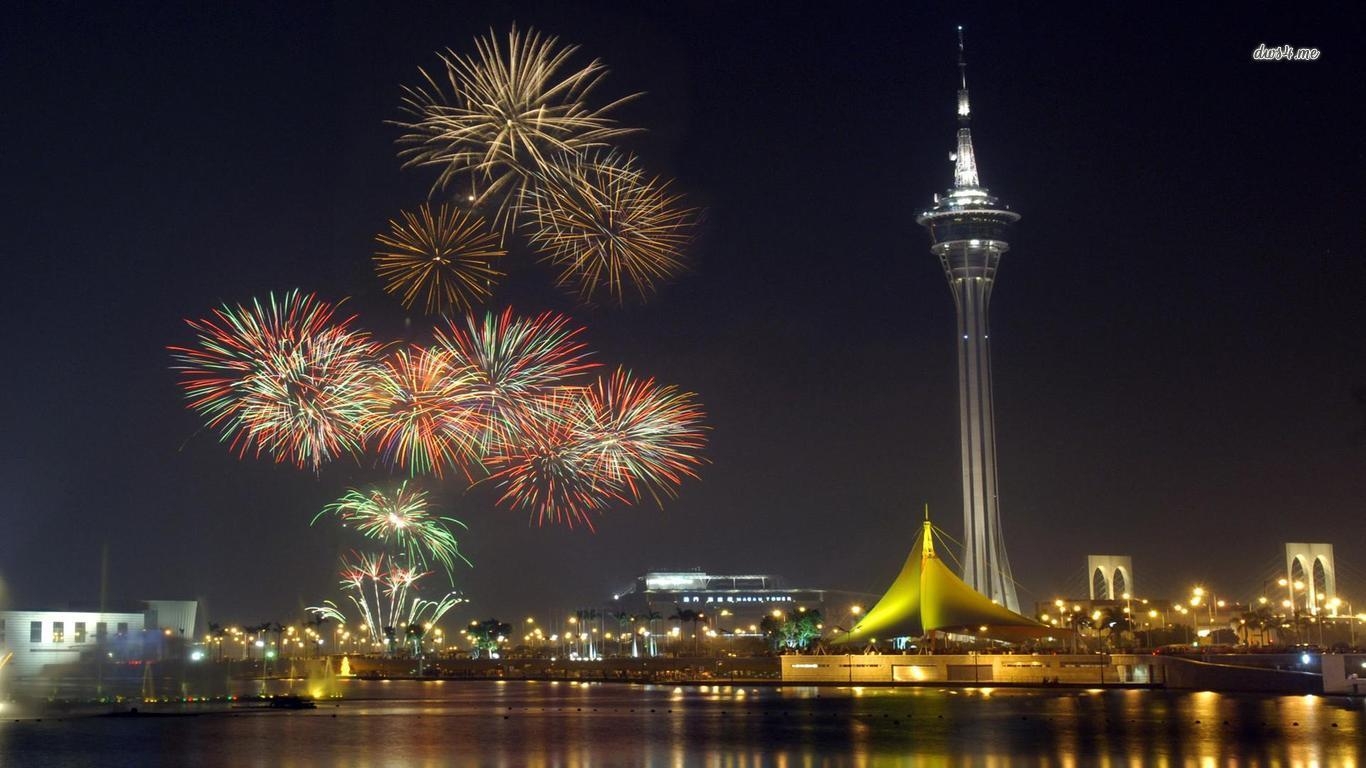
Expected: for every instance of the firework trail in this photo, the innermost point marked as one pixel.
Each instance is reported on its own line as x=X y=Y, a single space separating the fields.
x=401 y=519
x=422 y=412
x=446 y=258
x=497 y=115
x=280 y=377
x=384 y=596
x=606 y=225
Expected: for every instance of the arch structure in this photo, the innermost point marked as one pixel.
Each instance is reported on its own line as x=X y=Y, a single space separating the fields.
x=1312 y=566
x=1109 y=576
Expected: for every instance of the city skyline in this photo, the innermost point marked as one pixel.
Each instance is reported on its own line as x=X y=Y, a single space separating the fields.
x=1179 y=361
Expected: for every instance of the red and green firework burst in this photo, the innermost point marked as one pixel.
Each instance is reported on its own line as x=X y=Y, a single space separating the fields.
x=516 y=361
x=422 y=412
x=281 y=377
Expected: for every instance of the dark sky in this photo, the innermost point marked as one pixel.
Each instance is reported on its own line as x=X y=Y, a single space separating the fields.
x=1177 y=327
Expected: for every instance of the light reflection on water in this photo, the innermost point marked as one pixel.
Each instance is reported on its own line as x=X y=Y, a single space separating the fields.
x=407 y=723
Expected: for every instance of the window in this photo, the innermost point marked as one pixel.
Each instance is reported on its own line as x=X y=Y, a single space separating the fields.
x=80 y=631
x=2 y=631
x=123 y=628
x=101 y=631
x=35 y=631
x=58 y=632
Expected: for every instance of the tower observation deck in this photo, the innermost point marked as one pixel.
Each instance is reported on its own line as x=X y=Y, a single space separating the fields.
x=969 y=231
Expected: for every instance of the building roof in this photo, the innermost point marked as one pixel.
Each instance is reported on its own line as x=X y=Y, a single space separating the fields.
x=928 y=597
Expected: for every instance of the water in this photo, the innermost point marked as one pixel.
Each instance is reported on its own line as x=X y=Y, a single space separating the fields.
x=521 y=723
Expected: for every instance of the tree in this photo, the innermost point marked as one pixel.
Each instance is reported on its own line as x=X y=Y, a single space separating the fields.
x=416 y=631
x=218 y=632
x=487 y=635
x=686 y=615
x=796 y=630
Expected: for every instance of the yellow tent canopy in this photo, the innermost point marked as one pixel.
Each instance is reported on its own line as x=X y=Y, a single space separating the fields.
x=928 y=597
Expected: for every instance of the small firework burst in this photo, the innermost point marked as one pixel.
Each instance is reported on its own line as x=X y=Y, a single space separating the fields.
x=498 y=114
x=422 y=412
x=514 y=362
x=445 y=257
x=641 y=436
x=402 y=519
x=606 y=225
x=280 y=377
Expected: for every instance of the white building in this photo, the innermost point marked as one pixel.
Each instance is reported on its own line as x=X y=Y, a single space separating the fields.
x=35 y=639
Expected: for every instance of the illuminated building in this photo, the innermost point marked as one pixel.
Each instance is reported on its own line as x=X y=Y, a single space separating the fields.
x=746 y=599
x=41 y=638
x=969 y=230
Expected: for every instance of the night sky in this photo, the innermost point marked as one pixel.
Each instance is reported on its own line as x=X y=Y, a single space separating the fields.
x=1178 y=346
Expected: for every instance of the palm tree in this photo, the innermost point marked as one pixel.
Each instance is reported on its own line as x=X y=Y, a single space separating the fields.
x=650 y=617
x=689 y=615
x=217 y=632
x=624 y=621
x=416 y=631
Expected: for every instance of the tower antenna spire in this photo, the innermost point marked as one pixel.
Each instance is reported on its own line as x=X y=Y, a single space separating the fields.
x=962 y=60
x=964 y=159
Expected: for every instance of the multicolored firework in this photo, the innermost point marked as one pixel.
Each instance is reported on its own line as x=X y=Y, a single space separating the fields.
x=583 y=449
x=548 y=471
x=516 y=361
x=282 y=378
x=385 y=597
x=501 y=112
x=606 y=225
x=446 y=257
x=423 y=412
x=641 y=436
x=402 y=519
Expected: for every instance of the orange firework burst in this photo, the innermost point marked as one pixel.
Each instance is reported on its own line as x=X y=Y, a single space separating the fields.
x=607 y=225
x=501 y=112
x=446 y=257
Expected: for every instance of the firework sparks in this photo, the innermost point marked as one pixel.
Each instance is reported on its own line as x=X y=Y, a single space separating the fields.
x=549 y=471
x=446 y=258
x=501 y=112
x=606 y=225
x=401 y=518
x=385 y=597
x=641 y=436
x=515 y=361
x=422 y=412
x=281 y=377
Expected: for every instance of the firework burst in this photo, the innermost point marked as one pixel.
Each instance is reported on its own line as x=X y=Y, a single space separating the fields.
x=516 y=362
x=422 y=412
x=641 y=436
x=606 y=225
x=403 y=520
x=446 y=258
x=498 y=114
x=281 y=377
x=549 y=471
